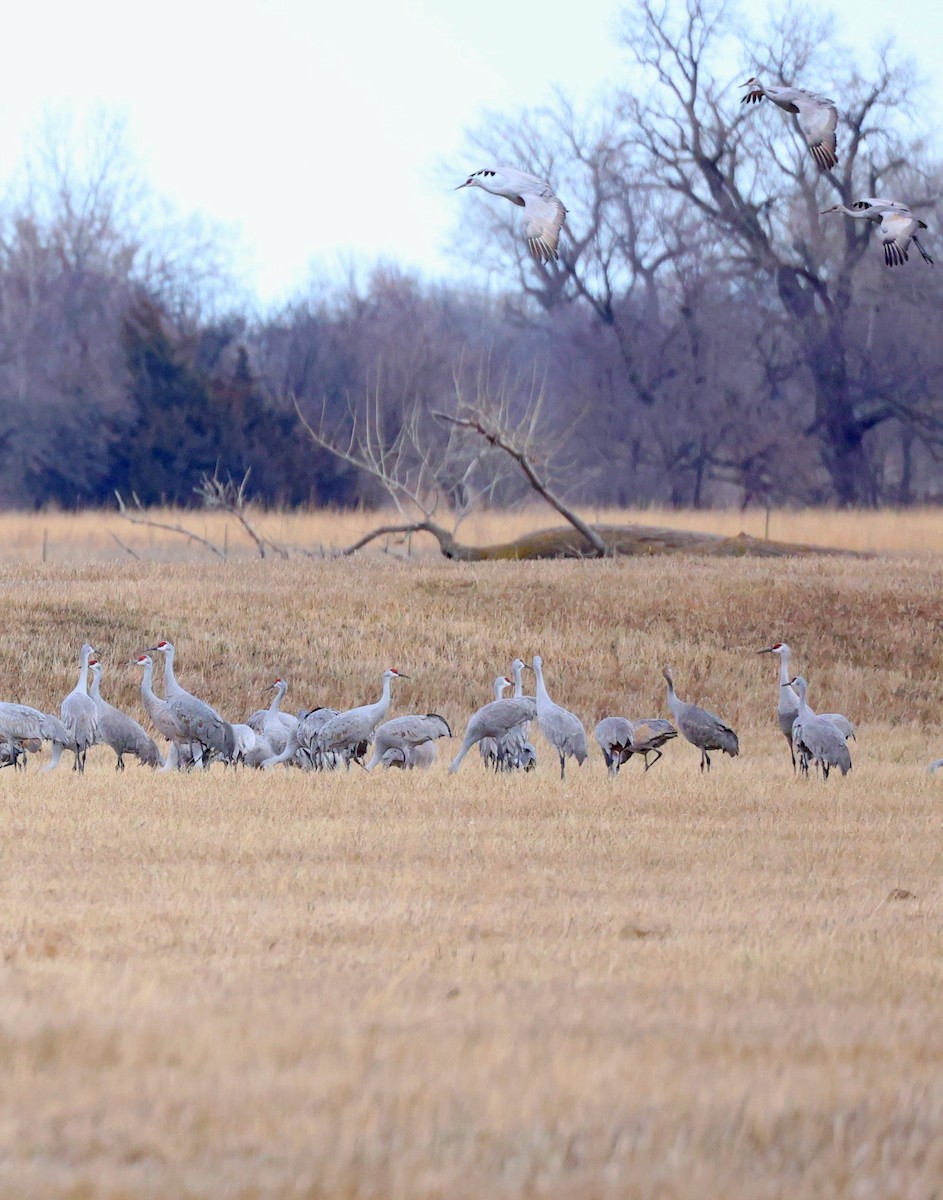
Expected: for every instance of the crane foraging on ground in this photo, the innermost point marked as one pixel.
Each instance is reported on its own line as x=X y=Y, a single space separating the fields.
x=25 y=728
x=405 y=735
x=562 y=729
x=544 y=214
x=119 y=731
x=700 y=727
x=79 y=712
x=620 y=738
x=350 y=733
x=197 y=721
x=817 y=116
x=819 y=738
x=495 y=720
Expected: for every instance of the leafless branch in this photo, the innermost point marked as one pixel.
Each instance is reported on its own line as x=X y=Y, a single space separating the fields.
x=152 y=524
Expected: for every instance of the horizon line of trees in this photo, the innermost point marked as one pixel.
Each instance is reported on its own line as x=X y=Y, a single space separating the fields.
x=704 y=339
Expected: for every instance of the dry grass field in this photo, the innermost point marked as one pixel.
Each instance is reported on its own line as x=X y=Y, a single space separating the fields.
x=422 y=985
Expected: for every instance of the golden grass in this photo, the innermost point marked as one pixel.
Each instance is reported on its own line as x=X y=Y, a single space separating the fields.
x=432 y=986
x=75 y=538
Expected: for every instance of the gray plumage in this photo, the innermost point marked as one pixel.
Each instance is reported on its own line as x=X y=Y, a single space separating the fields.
x=25 y=728
x=620 y=738
x=494 y=720
x=488 y=746
x=119 y=731
x=301 y=748
x=350 y=733
x=271 y=723
x=562 y=729
x=406 y=734
x=515 y=752
x=197 y=720
x=80 y=713
x=700 y=727
x=787 y=707
x=162 y=717
x=819 y=737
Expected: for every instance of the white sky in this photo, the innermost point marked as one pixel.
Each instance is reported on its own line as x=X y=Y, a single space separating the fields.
x=316 y=132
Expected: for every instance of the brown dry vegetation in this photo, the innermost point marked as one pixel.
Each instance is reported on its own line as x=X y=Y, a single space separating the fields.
x=434 y=986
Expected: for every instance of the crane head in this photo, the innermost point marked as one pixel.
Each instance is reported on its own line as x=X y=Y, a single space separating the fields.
x=393 y=673
x=776 y=648
x=475 y=179
x=162 y=648
x=272 y=686
x=142 y=660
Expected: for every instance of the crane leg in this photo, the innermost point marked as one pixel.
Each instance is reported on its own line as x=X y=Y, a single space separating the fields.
x=562 y=766
x=657 y=754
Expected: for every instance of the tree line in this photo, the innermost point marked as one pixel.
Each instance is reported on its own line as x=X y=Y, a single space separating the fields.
x=705 y=338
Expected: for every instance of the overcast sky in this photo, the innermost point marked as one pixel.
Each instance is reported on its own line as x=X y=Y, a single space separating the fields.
x=317 y=133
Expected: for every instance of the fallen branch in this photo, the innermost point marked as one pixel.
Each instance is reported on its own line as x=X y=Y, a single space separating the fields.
x=152 y=524
x=495 y=437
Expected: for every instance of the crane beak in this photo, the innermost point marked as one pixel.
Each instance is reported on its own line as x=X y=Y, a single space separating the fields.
x=461 y=185
x=766 y=650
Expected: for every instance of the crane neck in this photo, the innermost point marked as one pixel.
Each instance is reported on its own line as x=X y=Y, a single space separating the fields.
x=279 y=692
x=541 y=688
x=518 y=682
x=94 y=687
x=170 y=679
x=82 y=684
x=784 y=676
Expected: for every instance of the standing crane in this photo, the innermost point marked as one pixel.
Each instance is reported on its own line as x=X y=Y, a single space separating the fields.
x=162 y=716
x=820 y=738
x=562 y=729
x=515 y=752
x=701 y=728
x=817 y=116
x=898 y=226
x=271 y=723
x=544 y=214
x=404 y=735
x=196 y=719
x=80 y=713
x=119 y=731
x=350 y=733
x=787 y=707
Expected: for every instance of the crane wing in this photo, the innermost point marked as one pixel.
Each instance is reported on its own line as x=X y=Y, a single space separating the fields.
x=544 y=215
x=818 y=120
x=897 y=227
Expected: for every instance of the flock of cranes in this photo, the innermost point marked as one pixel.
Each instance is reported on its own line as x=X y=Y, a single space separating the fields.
x=817 y=117
x=327 y=738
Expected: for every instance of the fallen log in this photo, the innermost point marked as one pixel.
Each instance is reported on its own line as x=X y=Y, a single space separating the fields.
x=618 y=540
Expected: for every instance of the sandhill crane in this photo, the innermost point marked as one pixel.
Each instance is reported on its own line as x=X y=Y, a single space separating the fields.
x=544 y=214
x=620 y=738
x=495 y=720
x=515 y=752
x=898 y=226
x=272 y=724
x=119 y=731
x=406 y=734
x=701 y=728
x=488 y=746
x=301 y=749
x=162 y=716
x=23 y=727
x=817 y=116
x=349 y=733
x=821 y=738
x=562 y=729
x=197 y=720
x=80 y=713
x=787 y=706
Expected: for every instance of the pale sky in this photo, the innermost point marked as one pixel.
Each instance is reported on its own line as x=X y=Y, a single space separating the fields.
x=316 y=133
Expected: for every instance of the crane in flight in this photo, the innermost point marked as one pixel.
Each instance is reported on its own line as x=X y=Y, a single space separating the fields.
x=898 y=226
x=817 y=116
x=544 y=214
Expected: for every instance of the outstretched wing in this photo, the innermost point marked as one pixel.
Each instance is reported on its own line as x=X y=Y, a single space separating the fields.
x=544 y=215
x=897 y=227
x=818 y=120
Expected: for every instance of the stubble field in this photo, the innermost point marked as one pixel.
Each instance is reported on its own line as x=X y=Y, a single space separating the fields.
x=421 y=985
